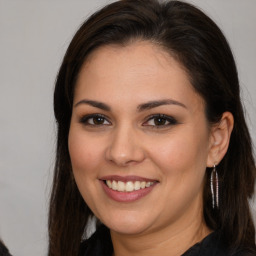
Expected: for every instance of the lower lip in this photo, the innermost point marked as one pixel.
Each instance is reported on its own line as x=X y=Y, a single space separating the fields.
x=127 y=196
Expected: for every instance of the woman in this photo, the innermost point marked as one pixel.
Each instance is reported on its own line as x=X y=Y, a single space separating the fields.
x=152 y=139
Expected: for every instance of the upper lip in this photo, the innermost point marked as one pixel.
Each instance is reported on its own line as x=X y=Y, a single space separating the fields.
x=126 y=178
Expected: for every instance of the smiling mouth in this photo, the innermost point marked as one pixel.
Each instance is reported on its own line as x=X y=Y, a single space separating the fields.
x=128 y=186
x=127 y=189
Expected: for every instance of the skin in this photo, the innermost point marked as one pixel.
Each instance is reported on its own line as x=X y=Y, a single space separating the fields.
x=169 y=219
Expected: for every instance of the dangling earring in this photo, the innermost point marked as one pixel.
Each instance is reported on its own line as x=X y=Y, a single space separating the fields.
x=215 y=181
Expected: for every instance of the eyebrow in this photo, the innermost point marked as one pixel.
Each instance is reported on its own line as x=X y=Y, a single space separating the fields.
x=94 y=103
x=141 y=107
x=157 y=103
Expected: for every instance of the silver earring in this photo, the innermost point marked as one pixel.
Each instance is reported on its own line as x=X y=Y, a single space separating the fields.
x=215 y=187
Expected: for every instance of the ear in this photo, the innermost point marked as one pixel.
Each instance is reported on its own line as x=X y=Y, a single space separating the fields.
x=219 y=139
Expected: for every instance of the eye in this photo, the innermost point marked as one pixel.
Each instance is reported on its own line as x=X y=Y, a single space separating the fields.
x=160 y=120
x=94 y=120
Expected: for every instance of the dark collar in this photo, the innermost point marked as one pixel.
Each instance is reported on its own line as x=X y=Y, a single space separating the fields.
x=99 y=244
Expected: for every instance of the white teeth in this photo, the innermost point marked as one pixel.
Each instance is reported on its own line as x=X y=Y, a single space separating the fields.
x=143 y=184
x=114 y=185
x=109 y=183
x=148 y=184
x=129 y=186
x=136 y=185
x=120 y=186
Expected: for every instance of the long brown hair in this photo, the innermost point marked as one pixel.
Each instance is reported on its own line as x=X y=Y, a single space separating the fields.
x=193 y=39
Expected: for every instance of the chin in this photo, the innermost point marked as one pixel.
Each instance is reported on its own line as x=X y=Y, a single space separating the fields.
x=128 y=225
x=127 y=229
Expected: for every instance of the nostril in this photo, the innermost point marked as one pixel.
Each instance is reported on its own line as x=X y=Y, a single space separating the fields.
x=125 y=156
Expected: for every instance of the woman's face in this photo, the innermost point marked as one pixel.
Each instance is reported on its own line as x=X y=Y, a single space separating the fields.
x=139 y=140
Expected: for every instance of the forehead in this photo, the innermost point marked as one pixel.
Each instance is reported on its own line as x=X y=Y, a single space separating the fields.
x=141 y=70
x=138 y=54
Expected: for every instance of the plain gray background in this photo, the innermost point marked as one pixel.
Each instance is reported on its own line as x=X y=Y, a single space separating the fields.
x=34 y=35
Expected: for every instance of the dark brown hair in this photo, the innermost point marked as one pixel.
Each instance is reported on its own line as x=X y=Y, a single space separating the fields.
x=194 y=40
x=3 y=249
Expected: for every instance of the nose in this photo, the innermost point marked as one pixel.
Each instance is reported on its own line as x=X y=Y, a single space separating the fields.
x=125 y=147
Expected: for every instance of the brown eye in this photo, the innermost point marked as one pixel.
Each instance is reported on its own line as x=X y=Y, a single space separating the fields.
x=98 y=120
x=94 y=120
x=160 y=121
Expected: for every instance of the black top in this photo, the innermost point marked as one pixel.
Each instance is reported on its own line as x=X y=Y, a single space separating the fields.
x=99 y=244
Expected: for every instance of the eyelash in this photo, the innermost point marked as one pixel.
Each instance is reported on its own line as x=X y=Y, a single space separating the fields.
x=85 y=120
x=161 y=117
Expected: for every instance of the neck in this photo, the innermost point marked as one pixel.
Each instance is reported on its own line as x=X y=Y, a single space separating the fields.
x=171 y=240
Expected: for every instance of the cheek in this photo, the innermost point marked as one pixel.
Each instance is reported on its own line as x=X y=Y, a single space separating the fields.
x=86 y=160
x=181 y=162
x=85 y=156
x=181 y=154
